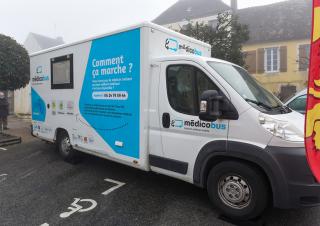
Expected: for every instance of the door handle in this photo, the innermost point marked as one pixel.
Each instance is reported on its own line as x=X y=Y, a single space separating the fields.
x=166 y=120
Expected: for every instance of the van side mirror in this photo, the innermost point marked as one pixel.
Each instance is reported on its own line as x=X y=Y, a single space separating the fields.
x=210 y=105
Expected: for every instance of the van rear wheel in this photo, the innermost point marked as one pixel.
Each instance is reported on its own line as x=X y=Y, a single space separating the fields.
x=239 y=190
x=65 y=148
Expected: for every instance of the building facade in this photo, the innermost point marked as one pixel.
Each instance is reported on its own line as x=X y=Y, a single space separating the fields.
x=281 y=67
x=278 y=49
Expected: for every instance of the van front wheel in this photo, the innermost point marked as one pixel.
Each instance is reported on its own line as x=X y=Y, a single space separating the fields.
x=239 y=190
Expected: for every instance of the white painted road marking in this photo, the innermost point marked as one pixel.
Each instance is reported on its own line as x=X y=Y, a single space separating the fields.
x=3 y=177
x=3 y=149
x=35 y=154
x=77 y=208
x=118 y=185
x=27 y=174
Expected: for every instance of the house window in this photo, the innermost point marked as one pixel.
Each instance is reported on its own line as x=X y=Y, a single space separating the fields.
x=304 y=54
x=251 y=61
x=272 y=59
x=62 y=72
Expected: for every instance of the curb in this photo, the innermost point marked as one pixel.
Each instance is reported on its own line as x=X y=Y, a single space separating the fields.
x=23 y=116
x=9 y=140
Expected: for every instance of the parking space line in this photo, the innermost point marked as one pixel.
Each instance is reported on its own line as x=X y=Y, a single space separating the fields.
x=28 y=174
x=3 y=177
x=34 y=154
x=118 y=185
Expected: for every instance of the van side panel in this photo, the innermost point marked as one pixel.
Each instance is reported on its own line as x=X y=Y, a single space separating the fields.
x=106 y=109
x=101 y=113
x=110 y=96
x=56 y=108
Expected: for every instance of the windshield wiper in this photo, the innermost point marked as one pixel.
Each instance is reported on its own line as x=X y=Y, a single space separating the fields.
x=259 y=103
x=282 y=108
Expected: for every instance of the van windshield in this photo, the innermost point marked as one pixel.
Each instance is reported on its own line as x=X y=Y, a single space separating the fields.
x=247 y=86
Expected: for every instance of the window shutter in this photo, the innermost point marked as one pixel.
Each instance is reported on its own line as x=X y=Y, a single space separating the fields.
x=302 y=58
x=260 y=61
x=251 y=61
x=283 y=59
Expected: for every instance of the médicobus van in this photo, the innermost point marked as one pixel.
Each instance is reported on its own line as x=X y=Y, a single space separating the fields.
x=152 y=99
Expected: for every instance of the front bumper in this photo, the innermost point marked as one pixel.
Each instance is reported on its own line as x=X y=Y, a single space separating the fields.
x=299 y=188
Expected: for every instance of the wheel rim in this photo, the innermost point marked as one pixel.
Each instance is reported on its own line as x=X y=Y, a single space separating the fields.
x=234 y=191
x=65 y=145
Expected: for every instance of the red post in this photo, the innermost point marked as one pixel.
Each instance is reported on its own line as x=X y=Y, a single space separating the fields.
x=312 y=126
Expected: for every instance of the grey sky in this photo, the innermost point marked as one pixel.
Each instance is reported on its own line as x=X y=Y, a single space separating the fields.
x=79 y=19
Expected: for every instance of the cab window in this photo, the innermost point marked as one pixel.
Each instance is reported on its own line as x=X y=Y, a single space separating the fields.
x=204 y=83
x=185 y=84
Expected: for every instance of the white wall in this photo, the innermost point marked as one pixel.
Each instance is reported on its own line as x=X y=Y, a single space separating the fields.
x=22 y=100
x=22 y=97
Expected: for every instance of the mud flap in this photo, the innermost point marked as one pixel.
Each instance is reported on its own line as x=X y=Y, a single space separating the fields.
x=312 y=125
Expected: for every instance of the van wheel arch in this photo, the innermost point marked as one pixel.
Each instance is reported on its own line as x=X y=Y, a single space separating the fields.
x=64 y=146
x=212 y=162
x=58 y=131
x=216 y=152
x=238 y=189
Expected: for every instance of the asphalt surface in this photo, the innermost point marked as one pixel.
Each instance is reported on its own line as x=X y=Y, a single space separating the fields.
x=36 y=186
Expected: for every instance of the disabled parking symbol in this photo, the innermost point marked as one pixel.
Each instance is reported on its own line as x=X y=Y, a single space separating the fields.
x=75 y=207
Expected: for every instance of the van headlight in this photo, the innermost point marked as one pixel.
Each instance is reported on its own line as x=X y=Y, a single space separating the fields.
x=282 y=129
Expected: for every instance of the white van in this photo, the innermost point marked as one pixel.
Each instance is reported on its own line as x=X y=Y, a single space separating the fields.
x=151 y=98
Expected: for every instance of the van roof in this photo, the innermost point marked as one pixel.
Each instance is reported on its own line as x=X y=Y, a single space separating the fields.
x=191 y=57
x=144 y=24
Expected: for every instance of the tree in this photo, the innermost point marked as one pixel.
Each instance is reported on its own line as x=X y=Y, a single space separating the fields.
x=226 y=38
x=14 y=64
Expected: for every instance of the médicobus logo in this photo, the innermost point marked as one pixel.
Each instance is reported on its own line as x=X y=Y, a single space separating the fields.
x=197 y=124
x=173 y=45
x=40 y=78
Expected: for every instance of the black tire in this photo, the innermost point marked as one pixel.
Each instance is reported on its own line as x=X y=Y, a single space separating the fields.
x=239 y=190
x=64 y=147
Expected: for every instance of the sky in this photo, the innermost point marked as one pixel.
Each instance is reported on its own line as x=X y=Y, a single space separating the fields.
x=78 y=19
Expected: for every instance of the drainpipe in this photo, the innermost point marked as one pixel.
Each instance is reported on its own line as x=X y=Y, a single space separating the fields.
x=234 y=5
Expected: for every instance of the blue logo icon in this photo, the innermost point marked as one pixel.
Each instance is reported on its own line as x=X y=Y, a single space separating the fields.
x=178 y=123
x=39 y=70
x=172 y=44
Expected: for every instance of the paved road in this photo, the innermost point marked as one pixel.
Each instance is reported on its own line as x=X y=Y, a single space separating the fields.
x=36 y=186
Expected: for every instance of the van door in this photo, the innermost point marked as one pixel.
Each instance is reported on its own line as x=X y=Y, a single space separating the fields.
x=182 y=132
